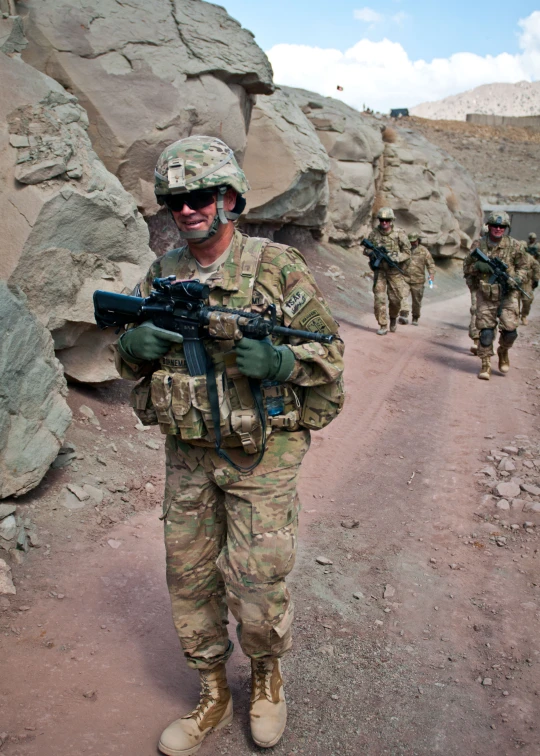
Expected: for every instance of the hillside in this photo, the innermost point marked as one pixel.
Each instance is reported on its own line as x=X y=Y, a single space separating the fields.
x=521 y=99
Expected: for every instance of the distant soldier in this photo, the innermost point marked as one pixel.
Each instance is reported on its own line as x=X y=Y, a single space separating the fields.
x=388 y=279
x=495 y=307
x=415 y=280
x=533 y=248
x=530 y=282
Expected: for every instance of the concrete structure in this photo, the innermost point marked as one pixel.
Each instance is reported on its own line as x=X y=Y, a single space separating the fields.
x=523 y=122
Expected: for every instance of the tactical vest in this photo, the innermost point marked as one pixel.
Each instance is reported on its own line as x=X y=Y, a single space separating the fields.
x=504 y=251
x=181 y=403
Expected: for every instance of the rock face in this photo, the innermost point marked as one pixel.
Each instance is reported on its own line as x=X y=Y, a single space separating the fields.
x=68 y=226
x=430 y=193
x=148 y=75
x=353 y=143
x=33 y=412
x=286 y=165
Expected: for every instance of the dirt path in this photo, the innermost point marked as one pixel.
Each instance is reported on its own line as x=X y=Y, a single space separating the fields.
x=89 y=657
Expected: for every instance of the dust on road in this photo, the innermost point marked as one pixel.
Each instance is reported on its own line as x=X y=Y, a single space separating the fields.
x=421 y=637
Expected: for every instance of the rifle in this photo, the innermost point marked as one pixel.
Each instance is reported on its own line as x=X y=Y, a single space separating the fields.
x=499 y=272
x=181 y=306
x=378 y=255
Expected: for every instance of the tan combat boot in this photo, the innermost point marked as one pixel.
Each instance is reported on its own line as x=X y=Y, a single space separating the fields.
x=214 y=711
x=415 y=321
x=268 y=710
x=474 y=348
x=383 y=330
x=403 y=319
x=504 y=359
x=485 y=370
x=393 y=325
x=524 y=320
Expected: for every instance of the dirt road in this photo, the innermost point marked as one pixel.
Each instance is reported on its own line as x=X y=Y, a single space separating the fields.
x=89 y=657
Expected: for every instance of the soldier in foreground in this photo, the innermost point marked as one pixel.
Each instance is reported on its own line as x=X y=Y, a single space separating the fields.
x=415 y=280
x=530 y=282
x=495 y=306
x=231 y=518
x=389 y=280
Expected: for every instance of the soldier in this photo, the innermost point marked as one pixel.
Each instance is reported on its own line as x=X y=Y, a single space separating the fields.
x=387 y=278
x=530 y=282
x=230 y=522
x=415 y=280
x=533 y=248
x=493 y=307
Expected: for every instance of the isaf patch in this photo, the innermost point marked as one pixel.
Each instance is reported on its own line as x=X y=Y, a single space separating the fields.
x=296 y=301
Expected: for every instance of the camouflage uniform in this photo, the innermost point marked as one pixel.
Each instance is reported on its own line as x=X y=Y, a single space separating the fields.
x=231 y=536
x=527 y=284
x=491 y=308
x=415 y=280
x=389 y=279
x=534 y=250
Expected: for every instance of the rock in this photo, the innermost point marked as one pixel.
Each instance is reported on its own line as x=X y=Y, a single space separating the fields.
x=491 y=471
x=506 y=465
x=114 y=544
x=88 y=413
x=150 y=488
x=57 y=258
x=531 y=506
x=508 y=489
x=34 y=415
x=500 y=541
x=358 y=595
x=323 y=560
x=529 y=488
x=430 y=193
x=79 y=492
x=188 y=66
x=529 y=524
x=6 y=582
x=8 y=528
x=350 y=523
x=6 y=510
x=286 y=165
x=152 y=444
x=487 y=681
x=63 y=459
x=503 y=504
x=70 y=501
x=354 y=145
x=95 y=494
x=518 y=503
x=389 y=592
x=510 y=449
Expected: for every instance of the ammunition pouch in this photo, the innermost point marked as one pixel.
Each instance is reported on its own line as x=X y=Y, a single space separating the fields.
x=321 y=404
x=490 y=292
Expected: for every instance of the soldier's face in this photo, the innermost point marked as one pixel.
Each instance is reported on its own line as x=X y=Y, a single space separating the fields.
x=201 y=216
x=385 y=225
x=496 y=232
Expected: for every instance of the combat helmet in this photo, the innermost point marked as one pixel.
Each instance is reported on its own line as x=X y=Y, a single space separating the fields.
x=201 y=162
x=414 y=237
x=532 y=236
x=498 y=218
x=386 y=213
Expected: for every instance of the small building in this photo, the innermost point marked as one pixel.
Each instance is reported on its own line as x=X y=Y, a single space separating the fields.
x=399 y=112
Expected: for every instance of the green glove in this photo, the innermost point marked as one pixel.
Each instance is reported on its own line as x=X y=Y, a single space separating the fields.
x=147 y=342
x=483 y=267
x=260 y=359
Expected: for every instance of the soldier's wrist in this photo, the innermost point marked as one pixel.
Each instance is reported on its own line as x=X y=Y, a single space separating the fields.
x=287 y=362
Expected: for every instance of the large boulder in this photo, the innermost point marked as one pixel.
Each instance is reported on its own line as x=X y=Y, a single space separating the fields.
x=286 y=165
x=34 y=415
x=354 y=145
x=430 y=193
x=56 y=193
x=149 y=74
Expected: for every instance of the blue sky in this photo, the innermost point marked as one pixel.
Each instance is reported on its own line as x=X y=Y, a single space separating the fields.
x=428 y=30
x=396 y=53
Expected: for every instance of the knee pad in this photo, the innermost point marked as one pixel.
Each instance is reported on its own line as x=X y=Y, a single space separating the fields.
x=507 y=338
x=486 y=336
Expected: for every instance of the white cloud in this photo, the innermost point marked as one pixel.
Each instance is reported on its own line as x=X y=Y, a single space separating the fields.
x=381 y=74
x=399 y=18
x=368 y=15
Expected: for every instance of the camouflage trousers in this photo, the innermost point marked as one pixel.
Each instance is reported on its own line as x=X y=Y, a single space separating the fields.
x=230 y=541
x=473 y=330
x=491 y=312
x=392 y=284
x=416 y=292
x=524 y=302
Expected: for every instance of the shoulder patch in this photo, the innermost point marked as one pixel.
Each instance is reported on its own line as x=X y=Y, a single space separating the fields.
x=296 y=300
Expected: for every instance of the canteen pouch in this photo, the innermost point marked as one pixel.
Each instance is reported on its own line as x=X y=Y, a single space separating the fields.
x=322 y=404
x=141 y=402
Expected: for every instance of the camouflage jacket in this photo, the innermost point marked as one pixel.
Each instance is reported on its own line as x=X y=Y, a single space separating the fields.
x=420 y=260
x=534 y=250
x=509 y=250
x=397 y=245
x=533 y=269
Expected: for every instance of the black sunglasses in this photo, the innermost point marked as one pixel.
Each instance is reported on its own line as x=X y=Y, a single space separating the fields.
x=194 y=200
x=496 y=225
